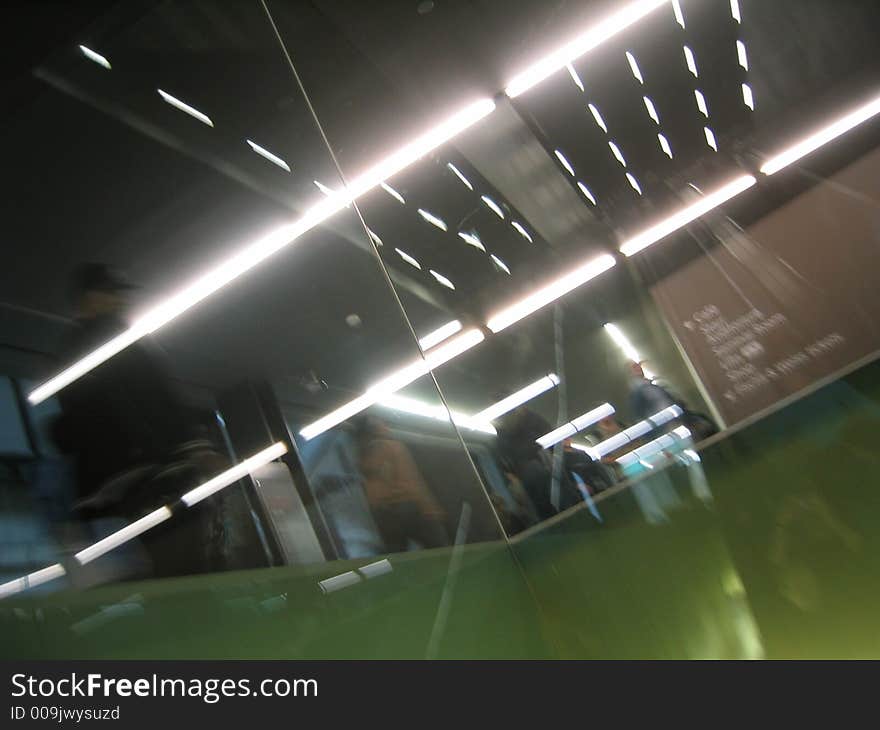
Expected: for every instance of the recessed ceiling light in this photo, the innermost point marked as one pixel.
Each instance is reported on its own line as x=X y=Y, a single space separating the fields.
x=598 y=117
x=263 y=152
x=748 y=99
x=686 y=215
x=617 y=153
x=701 y=102
x=664 y=145
x=522 y=231
x=442 y=279
x=409 y=259
x=690 y=60
x=472 y=239
x=575 y=77
x=652 y=111
x=586 y=191
x=393 y=193
x=215 y=278
x=492 y=205
x=458 y=173
x=565 y=163
x=185 y=108
x=710 y=138
x=634 y=183
x=96 y=57
x=501 y=265
x=679 y=16
x=634 y=67
x=433 y=219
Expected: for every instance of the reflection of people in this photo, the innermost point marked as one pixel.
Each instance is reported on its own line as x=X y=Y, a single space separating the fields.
x=521 y=455
x=608 y=427
x=522 y=514
x=647 y=398
x=401 y=502
x=605 y=429
x=595 y=475
x=123 y=424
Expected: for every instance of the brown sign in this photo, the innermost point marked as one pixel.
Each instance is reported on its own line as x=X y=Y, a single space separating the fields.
x=786 y=302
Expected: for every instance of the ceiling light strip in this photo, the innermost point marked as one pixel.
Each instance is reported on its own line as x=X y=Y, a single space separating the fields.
x=254 y=253
x=821 y=137
x=514 y=400
x=120 y=537
x=567 y=430
x=239 y=471
x=686 y=215
x=438 y=335
x=587 y=41
x=437 y=412
x=394 y=382
x=550 y=293
x=32 y=580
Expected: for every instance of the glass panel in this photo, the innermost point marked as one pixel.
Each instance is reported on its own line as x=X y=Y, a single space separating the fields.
x=184 y=335
x=598 y=219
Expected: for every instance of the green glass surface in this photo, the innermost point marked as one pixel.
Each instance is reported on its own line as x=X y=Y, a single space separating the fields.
x=779 y=563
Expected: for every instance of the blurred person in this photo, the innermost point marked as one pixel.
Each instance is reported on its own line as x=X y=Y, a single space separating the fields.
x=134 y=445
x=521 y=455
x=653 y=494
x=645 y=397
x=648 y=398
x=585 y=474
x=608 y=427
x=594 y=474
x=402 y=505
x=605 y=429
x=523 y=513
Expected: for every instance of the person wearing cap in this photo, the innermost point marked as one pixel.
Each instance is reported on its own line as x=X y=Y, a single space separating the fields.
x=123 y=423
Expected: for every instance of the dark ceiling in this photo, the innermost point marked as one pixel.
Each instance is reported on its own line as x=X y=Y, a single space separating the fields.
x=104 y=169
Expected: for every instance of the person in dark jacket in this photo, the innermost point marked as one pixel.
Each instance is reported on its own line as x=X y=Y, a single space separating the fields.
x=522 y=456
x=123 y=412
x=133 y=443
x=646 y=397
